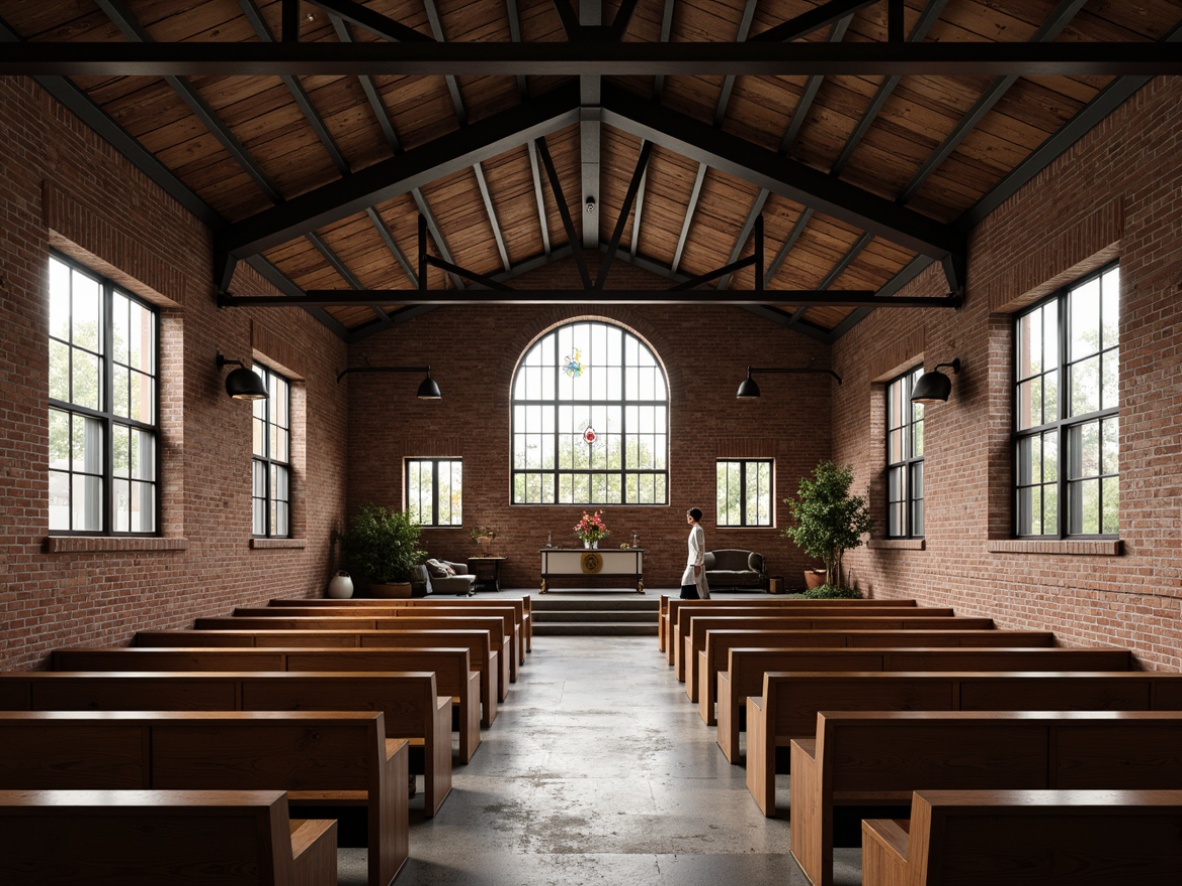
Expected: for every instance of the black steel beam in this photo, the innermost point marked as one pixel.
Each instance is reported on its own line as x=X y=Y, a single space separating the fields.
x=909 y=272
x=406 y=172
x=298 y=93
x=810 y=21
x=290 y=291
x=646 y=148
x=564 y=212
x=835 y=298
x=619 y=25
x=953 y=59
x=456 y=271
x=666 y=31
x=371 y=21
x=791 y=179
x=693 y=282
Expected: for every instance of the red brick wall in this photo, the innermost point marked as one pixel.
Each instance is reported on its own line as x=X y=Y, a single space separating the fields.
x=473 y=352
x=1117 y=193
x=60 y=184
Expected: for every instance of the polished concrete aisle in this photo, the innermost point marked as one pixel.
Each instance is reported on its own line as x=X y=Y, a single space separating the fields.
x=598 y=770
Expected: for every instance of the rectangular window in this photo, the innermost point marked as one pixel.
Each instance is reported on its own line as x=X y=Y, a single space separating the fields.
x=434 y=491
x=1067 y=416
x=744 y=492
x=271 y=462
x=103 y=436
x=904 y=458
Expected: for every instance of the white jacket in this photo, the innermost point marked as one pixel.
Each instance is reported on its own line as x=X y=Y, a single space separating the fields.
x=696 y=556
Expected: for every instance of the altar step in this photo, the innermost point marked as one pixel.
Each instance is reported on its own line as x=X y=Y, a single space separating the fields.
x=594 y=614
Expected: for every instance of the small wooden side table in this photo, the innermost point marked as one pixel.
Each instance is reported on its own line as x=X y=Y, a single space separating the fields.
x=487 y=571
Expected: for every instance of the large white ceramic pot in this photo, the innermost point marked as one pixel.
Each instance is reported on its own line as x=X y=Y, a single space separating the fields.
x=341 y=586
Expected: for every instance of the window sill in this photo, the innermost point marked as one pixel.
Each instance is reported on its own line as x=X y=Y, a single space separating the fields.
x=897 y=544
x=1109 y=547
x=86 y=544
x=270 y=544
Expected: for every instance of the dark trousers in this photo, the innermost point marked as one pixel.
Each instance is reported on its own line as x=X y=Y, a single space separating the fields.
x=689 y=592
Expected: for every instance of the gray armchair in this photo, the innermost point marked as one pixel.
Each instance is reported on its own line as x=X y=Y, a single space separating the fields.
x=431 y=578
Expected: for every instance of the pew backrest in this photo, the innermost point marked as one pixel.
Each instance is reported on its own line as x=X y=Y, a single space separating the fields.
x=328 y=756
x=219 y=838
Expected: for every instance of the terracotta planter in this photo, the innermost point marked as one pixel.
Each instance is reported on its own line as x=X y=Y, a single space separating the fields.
x=390 y=591
x=814 y=578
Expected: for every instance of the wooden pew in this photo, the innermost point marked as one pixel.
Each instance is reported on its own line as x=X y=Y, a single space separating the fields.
x=414 y=709
x=790 y=702
x=671 y=606
x=505 y=613
x=865 y=759
x=320 y=758
x=202 y=838
x=714 y=659
x=1030 y=838
x=744 y=675
x=481 y=656
x=494 y=625
x=694 y=640
x=453 y=674
x=693 y=625
x=522 y=610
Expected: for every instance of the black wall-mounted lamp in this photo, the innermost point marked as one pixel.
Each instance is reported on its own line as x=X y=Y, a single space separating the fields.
x=749 y=390
x=242 y=383
x=934 y=386
x=428 y=389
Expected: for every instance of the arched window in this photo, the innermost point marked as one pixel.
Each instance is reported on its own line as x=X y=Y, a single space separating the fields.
x=590 y=419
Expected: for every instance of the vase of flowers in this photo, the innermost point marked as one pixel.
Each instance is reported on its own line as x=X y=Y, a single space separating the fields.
x=591 y=528
x=483 y=536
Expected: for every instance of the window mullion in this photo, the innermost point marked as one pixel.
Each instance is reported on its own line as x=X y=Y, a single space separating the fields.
x=107 y=407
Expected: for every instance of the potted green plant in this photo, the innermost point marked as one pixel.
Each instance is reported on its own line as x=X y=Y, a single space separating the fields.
x=382 y=546
x=828 y=521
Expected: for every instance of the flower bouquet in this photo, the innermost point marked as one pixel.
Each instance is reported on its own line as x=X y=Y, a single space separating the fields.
x=591 y=528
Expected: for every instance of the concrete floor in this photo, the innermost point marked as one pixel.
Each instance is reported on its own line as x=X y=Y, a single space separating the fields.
x=598 y=770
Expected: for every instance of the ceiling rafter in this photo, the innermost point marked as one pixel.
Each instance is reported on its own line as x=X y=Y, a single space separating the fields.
x=564 y=211
x=613 y=245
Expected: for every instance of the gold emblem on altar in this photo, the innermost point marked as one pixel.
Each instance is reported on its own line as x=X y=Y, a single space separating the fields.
x=591 y=563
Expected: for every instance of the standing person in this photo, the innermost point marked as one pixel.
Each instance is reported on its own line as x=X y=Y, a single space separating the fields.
x=693 y=580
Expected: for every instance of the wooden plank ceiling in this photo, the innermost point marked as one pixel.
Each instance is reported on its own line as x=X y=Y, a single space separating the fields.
x=280 y=160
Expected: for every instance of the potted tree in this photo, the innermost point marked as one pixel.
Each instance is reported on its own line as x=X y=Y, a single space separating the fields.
x=382 y=546
x=828 y=522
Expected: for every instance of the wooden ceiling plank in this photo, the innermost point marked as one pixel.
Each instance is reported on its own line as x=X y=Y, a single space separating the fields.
x=1051 y=28
x=401 y=174
x=625 y=210
x=121 y=16
x=564 y=211
x=786 y=177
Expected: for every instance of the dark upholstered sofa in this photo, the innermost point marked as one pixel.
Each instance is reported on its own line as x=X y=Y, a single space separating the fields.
x=735 y=569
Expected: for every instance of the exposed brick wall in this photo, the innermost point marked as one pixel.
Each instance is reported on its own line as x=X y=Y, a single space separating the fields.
x=1116 y=194
x=473 y=352
x=61 y=184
